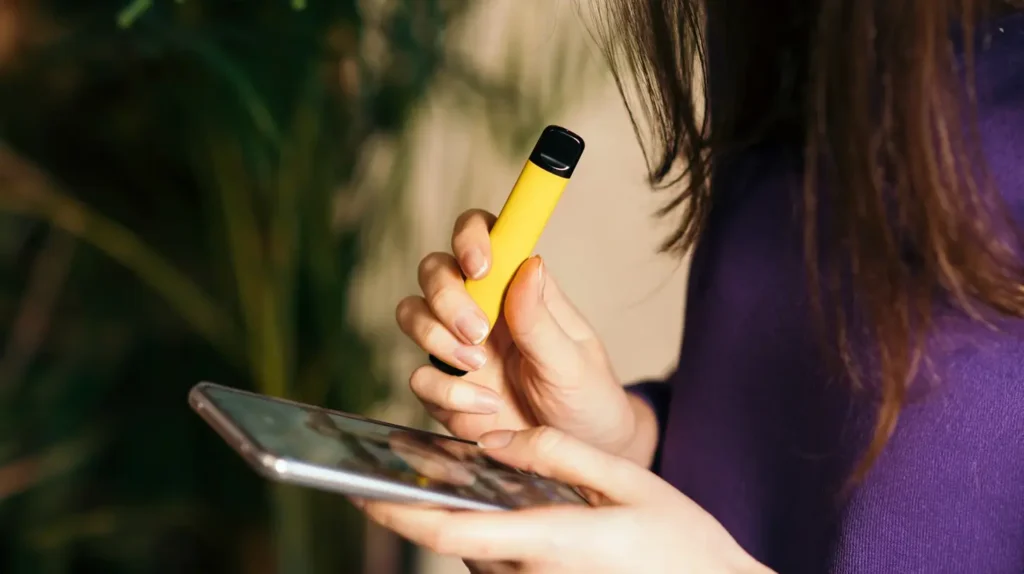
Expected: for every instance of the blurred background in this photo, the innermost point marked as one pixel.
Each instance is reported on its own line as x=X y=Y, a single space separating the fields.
x=240 y=192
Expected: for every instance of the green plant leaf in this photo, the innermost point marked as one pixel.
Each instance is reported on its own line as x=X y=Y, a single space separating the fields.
x=132 y=12
x=122 y=245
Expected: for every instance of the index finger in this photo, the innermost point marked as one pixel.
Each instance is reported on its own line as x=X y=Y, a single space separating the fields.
x=471 y=242
x=521 y=535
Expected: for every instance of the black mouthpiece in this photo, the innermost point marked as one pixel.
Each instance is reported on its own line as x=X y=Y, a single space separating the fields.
x=445 y=367
x=558 y=151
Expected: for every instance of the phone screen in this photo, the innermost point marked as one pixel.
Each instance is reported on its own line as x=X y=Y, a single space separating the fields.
x=316 y=436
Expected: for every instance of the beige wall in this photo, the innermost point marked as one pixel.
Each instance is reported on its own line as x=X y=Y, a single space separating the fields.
x=600 y=244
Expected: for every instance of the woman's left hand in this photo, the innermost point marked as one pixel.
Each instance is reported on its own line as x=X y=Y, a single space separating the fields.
x=639 y=524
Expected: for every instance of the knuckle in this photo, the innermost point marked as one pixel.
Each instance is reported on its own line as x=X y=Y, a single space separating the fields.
x=420 y=380
x=486 y=551
x=406 y=309
x=429 y=334
x=441 y=542
x=462 y=220
x=546 y=440
x=383 y=518
x=443 y=298
x=470 y=215
x=431 y=263
x=451 y=395
x=472 y=224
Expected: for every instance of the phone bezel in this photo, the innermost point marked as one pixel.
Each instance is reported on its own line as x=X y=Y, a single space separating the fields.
x=291 y=471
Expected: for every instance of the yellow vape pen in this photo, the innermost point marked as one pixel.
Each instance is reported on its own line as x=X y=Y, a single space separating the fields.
x=522 y=220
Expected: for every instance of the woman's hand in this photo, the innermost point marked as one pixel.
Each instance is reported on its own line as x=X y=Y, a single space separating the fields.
x=542 y=364
x=640 y=523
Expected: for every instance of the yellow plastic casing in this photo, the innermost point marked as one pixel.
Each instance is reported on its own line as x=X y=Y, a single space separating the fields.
x=515 y=234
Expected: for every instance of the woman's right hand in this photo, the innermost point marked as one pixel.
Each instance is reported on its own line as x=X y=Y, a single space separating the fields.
x=541 y=365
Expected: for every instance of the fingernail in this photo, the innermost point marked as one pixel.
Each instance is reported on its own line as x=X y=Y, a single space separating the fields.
x=473 y=327
x=474 y=263
x=486 y=403
x=472 y=357
x=496 y=439
x=475 y=399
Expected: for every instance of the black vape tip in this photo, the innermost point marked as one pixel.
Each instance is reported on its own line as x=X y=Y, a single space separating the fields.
x=558 y=150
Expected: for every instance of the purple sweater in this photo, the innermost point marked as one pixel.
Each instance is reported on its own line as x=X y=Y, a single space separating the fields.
x=755 y=431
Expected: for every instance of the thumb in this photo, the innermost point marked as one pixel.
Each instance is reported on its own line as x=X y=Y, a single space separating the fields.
x=554 y=454
x=533 y=327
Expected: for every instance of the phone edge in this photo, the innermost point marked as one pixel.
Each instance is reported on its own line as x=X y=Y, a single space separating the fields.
x=290 y=471
x=204 y=384
x=261 y=461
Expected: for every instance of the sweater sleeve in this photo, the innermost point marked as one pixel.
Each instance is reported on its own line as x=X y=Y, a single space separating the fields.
x=657 y=395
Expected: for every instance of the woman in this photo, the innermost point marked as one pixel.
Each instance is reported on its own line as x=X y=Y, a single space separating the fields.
x=850 y=393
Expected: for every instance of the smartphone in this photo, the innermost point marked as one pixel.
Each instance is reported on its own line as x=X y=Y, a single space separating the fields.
x=329 y=450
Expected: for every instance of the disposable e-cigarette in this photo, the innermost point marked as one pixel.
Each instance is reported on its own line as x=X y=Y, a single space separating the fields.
x=522 y=220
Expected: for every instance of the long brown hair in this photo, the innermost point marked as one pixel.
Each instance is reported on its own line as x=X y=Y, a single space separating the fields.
x=872 y=91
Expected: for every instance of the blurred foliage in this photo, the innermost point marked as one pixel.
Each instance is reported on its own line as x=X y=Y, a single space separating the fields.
x=181 y=199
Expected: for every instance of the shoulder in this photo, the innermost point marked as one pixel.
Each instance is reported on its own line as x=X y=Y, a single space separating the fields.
x=948 y=492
